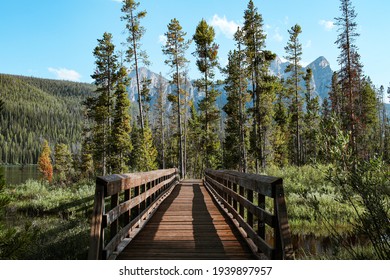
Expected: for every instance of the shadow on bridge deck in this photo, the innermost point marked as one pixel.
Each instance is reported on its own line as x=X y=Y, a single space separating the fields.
x=188 y=225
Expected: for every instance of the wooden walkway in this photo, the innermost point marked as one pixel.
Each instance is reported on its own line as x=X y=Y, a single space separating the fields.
x=188 y=225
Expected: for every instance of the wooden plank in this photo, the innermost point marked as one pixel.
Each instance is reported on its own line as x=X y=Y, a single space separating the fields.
x=188 y=225
x=260 y=243
x=124 y=232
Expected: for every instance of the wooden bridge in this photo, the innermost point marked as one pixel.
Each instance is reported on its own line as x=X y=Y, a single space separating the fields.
x=153 y=215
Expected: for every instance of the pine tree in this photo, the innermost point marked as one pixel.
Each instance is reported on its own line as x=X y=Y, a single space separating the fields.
x=367 y=124
x=235 y=144
x=329 y=120
x=134 y=54
x=207 y=59
x=105 y=79
x=144 y=154
x=294 y=53
x=263 y=94
x=232 y=144
x=280 y=138
x=336 y=97
x=145 y=99
x=351 y=68
x=121 y=140
x=175 y=48
x=86 y=160
x=160 y=122
x=44 y=162
x=311 y=121
x=63 y=167
x=196 y=151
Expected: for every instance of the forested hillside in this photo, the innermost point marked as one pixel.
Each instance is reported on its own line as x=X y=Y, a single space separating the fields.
x=36 y=109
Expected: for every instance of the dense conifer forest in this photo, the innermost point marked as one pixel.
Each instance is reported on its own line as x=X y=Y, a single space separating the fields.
x=36 y=109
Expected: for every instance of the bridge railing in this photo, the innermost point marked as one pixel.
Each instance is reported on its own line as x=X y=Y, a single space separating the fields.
x=244 y=198
x=123 y=203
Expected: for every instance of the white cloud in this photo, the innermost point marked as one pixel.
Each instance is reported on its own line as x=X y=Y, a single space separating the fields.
x=65 y=74
x=327 y=24
x=228 y=28
x=120 y=1
x=162 y=39
x=308 y=44
x=277 y=36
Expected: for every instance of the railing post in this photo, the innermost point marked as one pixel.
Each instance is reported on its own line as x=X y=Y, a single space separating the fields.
x=283 y=247
x=97 y=232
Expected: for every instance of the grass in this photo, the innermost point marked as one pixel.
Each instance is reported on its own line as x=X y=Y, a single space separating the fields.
x=306 y=186
x=47 y=222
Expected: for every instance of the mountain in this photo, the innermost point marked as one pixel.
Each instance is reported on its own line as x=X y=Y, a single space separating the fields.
x=322 y=74
x=322 y=78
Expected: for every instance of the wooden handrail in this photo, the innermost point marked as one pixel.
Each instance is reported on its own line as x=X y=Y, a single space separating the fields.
x=235 y=191
x=133 y=199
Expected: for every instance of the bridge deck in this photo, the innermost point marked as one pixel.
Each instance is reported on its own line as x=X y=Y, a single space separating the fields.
x=188 y=225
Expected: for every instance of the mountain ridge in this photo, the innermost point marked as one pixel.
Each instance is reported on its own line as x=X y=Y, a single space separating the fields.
x=321 y=80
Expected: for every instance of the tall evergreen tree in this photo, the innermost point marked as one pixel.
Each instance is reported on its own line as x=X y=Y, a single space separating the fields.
x=63 y=163
x=207 y=59
x=232 y=145
x=235 y=145
x=175 y=48
x=351 y=68
x=336 y=98
x=145 y=99
x=120 y=139
x=311 y=121
x=367 y=126
x=160 y=126
x=105 y=77
x=195 y=146
x=262 y=91
x=135 y=55
x=280 y=138
x=294 y=54
x=144 y=155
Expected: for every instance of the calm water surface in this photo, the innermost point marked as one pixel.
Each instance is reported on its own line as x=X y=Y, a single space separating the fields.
x=16 y=174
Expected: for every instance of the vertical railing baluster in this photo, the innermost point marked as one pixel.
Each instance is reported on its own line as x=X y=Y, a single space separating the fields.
x=114 y=225
x=241 y=207
x=234 y=200
x=260 y=220
x=127 y=214
x=249 y=213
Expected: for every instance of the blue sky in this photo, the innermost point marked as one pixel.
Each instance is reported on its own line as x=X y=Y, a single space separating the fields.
x=55 y=38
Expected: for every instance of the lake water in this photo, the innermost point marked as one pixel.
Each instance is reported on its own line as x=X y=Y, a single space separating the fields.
x=16 y=174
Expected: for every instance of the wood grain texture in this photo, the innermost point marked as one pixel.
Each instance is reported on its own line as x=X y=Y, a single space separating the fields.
x=188 y=225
